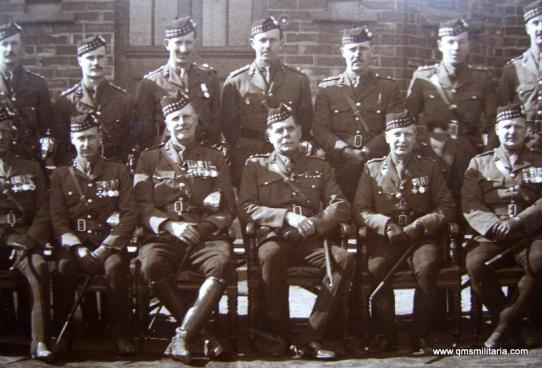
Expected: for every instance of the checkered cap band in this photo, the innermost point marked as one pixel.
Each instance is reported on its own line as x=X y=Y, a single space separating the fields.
x=508 y=112
x=356 y=35
x=532 y=10
x=278 y=114
x=180 y=27
x=264 y=25
x=6 y=114
x=90 y=44
x=399 y=120
x=9 y=29
x=172 y=104
x=80 y=123
x=453 y=27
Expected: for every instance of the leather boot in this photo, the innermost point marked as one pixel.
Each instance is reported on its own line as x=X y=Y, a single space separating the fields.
x=388 y=340
x=168 y=295
x=209 y=294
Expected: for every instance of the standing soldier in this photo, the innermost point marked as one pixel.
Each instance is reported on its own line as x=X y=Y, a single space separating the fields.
x=296 y=196
x=24 y=229
x=112 y=105
x=251 y=90
x=350 y=111
x=453 y=102
x=94 y=214
x=502 y=202
x=184 y=192
x=403 y=200
x=25 y=93
x=180 y=75
x=521 y=80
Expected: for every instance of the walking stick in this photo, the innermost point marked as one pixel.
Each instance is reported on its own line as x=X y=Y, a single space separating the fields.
x=327 y=256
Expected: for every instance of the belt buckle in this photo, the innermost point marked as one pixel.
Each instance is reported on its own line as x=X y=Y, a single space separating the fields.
x=180 y=207
x=81 y=225
x=358 y=141
x=453 y=129
x=298 y=210
x=12 y=219
x=512 y=209
x=403 y=220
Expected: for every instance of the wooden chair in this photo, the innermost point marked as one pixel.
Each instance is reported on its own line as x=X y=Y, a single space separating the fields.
x=307 y=277
x=449 y=278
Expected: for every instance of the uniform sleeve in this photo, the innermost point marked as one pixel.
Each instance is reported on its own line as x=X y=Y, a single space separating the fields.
x=129 y=121
x=442 y=200
x=144 y=124
x=414 y=98
x=477 y=214
x=490 y=103
x=128 y=213
x=61 y=130
x=224 y=217
x=322 y=126
x=304 y=111
x=230 y=112
x=507 y=85
x=57 y=209
x=249 y=207
x=150 y=216
x=216 y=110
x=40 y=229
x=364 y=205
x=336 y=208
x=44 y=108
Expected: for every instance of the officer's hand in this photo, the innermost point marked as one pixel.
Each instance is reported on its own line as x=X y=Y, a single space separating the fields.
x=86 y=260
x=184 y=231
x=303 y=224
x=20 y=242
x=356 y=155
x=395 y=233
x=414 y=230
x=505 y=228
x=101 y=253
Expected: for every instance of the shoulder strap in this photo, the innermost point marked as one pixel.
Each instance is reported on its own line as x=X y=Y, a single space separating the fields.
x=356 y=112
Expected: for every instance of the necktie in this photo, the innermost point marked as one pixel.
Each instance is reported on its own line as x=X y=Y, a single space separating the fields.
x=88 y=169
x=267 y=72
x=184 y=78
x=400 y=166
x=3 y=168
x=513 y=159
x=356 y=82
x=8 y=78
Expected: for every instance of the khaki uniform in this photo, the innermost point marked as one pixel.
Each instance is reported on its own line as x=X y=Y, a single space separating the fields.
x=24 y=211
x=114 y=107
x=420 y=195
x=494 y=189
x=29 y=94
x=202 y=88
x=246 y=98
x=82 y=205
x=265 y=197
x=355 y=116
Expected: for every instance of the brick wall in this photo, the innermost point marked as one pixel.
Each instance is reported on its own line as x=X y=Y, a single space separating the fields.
x=405 y=33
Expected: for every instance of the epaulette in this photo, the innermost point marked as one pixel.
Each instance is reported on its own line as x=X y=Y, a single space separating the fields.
x=479 y=67
x=427 y=67
x=421 y=156
x=159 y=145
x=154 y=71
x=294 y=68
x=236 y=72
x=258 y=155
x=118 y=88
x=486 y=153
x=34 y=73
x=384 y=77
x=536 y=150
x=330 y=80
x=69 y=90
x=514 y=59
x=205 y=67
x=376 y=159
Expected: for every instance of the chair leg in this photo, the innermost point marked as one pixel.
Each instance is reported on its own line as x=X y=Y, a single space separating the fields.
x=252 y=311
x=232 y=295
x=345 y=307
x=365 y=318
x=456 y=313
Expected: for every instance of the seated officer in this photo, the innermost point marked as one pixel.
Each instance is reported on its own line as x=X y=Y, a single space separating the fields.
x=285 y=190
x=94 y=214
x=501 y=200
x=24 y=229
x=403 y=200
x=186 y=199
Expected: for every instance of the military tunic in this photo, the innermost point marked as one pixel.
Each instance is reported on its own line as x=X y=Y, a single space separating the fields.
x=114 y=107
x=420 y=196
x=455 y=126
x=355 y=116
x=495 y=189
x=246 y=98
x=520 y=83
x=203 y=89
x=29 y=94
x=24 y=211
x=268 y=191
x=86 y=206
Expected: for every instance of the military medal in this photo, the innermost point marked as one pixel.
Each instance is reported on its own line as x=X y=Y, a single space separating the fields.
x=415 y=184
x=205 y=91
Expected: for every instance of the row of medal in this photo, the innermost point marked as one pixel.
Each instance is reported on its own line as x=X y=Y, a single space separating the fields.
x=532 y=175
x=420 y=185
x=22 y=183
x=200 y=168
x=107 y=188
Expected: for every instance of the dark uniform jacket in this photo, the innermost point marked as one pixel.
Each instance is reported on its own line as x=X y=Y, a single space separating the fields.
x=203 y=89
x=114 y=107
x=422 y=195
x=493 y=190
x=471 y=93
x=160 y=176
x=29 y=94
x=335 y=119
x=107 y=191
x=246 y=98
x=23 y=200
x=267 y=192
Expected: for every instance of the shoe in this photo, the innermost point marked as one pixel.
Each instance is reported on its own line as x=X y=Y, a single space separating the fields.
x=315 y=350
x=278 y=349
x=125 y=346
x=387 y=344
x=420 y=347
x=42 y=352
x=178 y=349
x=494 y=340
x=213 y=349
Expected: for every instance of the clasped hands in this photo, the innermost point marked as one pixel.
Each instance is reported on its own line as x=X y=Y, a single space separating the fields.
x=304 y=226
x=399 y=235
x=503 y=230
